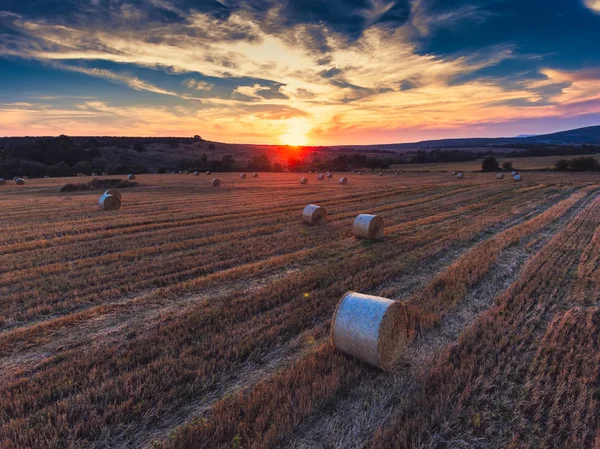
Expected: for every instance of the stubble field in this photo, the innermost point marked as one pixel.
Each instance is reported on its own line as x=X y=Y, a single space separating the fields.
x=198 y=317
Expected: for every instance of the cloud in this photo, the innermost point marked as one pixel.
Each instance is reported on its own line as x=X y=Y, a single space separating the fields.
x=594 y=5
x=198 y=85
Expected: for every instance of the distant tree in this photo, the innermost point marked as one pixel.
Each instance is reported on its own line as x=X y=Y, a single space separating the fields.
x=227 y=162
x=277 y=167
x=83 y=167
x=385 y=164
x=139 y=147
x=584 y=164
x=295 y=164
x=373 y=163
x=561 y=165
x=197 y=137
x=507 y=166
x=490 y=164
x=259 y=162
x=161 y=171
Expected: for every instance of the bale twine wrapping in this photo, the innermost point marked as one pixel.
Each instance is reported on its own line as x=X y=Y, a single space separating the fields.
x=255 y=175
x=20 y=181
x=2 y=181
x=113 y=192
x=368 y=226
x=344 y=181
x=109 y=202
x=460 y=176
x=243 y=176
x=314 y=215
x=321 y=177
x=131 y=177
x=329 y=175
x=303 y=180
x=499 y=176
x=216 y=182
x=370 y=328
x=517 y=178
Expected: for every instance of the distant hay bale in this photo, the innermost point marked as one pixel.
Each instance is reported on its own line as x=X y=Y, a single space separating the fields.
x=303 y=180
x=314 y=215
x=454 y=173
x=359 y=173
x=109 y=202
x=396 y=172
x=15 y=178
x=79 y=175
x=46 y=177
x=208 y=173
x=255 y=175
x=460 y=176
x=368 y=226
x=380 y=173
x=329 y=175
x=344 y=181
x=20 y=181
x=104 y=174
x=113 y=192
x=499 y=176
x=216 y=182
x=196 y=173
x=2 y=181
x=370 y=328
x=514 y=173
x=517 y=178
x=243 y=176
x=131 y=177
x=94 y=174
x=180 y=172
x=187 y=172
x=321 y=177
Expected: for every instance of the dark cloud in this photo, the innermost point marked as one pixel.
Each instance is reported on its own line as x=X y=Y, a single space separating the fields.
x=331 y=73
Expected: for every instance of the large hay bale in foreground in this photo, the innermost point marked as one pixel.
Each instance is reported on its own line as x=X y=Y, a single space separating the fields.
x=243 y=176
x=321 y=177
x=113 y=192
x=370 y=328
x=344 y=181
x=303 y=180
x=109 y=202
x=216 y=182
x=517 y=178
x=499 y=176
x=314 y=215
x=20 y=181
x=131 y=177
x=368 y=226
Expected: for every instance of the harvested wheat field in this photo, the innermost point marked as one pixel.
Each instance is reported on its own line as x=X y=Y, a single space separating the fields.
x=195 y=317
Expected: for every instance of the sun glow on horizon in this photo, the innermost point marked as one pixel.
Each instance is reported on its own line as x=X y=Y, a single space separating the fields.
x=296 y=134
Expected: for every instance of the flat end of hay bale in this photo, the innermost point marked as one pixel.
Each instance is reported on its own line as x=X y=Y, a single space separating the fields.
x=216 y=182
x=303 y=180
x=393 y=335
x=368 y=226
x=109 y=202
x=314 y=215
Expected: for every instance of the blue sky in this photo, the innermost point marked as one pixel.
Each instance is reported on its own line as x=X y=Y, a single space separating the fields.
x=299 y=72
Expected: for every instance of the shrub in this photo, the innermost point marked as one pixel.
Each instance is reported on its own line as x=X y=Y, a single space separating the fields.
x=98 y=184
x=490 y=164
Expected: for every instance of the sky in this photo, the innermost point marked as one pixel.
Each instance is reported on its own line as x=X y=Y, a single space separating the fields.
x=299 y=72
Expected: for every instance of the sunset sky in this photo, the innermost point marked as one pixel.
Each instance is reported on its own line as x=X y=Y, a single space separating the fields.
x=299 y=71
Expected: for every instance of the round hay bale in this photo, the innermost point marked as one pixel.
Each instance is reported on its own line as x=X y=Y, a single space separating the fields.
x=454 y=173
x=2 y=181
x=314 y=215
x=499 y=176
x=109 y=202
x=196 y=173
x=131 y=177
x=255 y=175
x=344 y=181
x=187 y=172
x=370 y=328
x=113 y=192
x=20 y=181
x=15 y=178
x=321 y=177
x=303 y=180
x=243 y=176
x=329 y=176
x=460 y=176
x=359 y=173
x=514 y=173
x=104 y=173
x=46 y=177
x=380 y=173
x=180 y=172
x=517 y=178
x=94 y=174
x=396 y=172
x=216 y=182
x=208 y=173
x=368 y=226
x=79 y=175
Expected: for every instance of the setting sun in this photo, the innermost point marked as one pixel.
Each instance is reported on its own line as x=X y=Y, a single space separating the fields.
x=296 y=134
